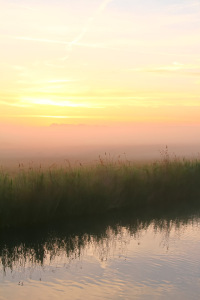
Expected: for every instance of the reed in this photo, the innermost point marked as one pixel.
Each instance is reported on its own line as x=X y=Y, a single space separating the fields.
x=36 y=196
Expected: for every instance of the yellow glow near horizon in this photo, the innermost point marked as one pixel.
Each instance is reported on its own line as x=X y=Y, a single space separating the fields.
x=49 y=102
x=99 y=62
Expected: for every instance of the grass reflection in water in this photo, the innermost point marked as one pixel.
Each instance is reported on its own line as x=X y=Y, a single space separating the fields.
x=42 y=246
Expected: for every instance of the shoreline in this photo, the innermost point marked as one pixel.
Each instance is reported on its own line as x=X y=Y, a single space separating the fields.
x=37 y=196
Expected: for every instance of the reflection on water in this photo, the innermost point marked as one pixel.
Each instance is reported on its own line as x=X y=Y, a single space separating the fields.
x=124 y=257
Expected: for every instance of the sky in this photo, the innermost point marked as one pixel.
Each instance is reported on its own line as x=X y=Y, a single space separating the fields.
x=99 y=62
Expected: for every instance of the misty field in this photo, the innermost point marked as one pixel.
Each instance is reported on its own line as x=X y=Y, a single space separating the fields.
x=35 y=195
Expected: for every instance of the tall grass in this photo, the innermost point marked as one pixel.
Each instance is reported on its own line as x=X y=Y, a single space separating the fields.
x=34 y=196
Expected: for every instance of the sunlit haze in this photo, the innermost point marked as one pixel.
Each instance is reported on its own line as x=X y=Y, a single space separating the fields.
x=129 y=71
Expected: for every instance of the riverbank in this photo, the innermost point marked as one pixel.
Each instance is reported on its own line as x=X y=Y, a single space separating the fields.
x=37 y=196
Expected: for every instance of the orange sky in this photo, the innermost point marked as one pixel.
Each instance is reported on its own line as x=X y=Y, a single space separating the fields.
x=99 y=62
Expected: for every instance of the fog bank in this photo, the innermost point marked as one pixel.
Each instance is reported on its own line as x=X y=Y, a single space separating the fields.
x=85 y=143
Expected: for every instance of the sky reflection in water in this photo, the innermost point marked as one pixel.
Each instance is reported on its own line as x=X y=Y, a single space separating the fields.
x=132 y=259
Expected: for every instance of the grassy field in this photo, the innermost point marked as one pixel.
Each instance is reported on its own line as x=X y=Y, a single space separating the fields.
x=34 y=196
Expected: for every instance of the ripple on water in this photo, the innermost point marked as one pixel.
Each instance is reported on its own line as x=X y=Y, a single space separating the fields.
x=144 y=261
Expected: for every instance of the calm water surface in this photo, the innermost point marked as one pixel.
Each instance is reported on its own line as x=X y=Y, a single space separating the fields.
x=116 y=258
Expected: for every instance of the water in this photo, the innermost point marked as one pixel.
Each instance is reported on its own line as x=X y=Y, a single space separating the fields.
x=113 y=257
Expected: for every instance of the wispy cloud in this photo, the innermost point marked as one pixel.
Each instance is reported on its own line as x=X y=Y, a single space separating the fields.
x=104 y=102
x=51 y=65
x=31 y=83
x=26 y=7
x=189 y=69
x=181 y=6
x=64 y=103
x=60 y=80
x=14 y=104
x=57 y=116
x=26 y=38
x=68 y=44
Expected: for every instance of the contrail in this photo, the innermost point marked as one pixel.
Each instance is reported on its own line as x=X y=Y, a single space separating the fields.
x=84 y=30
x=103 y=5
